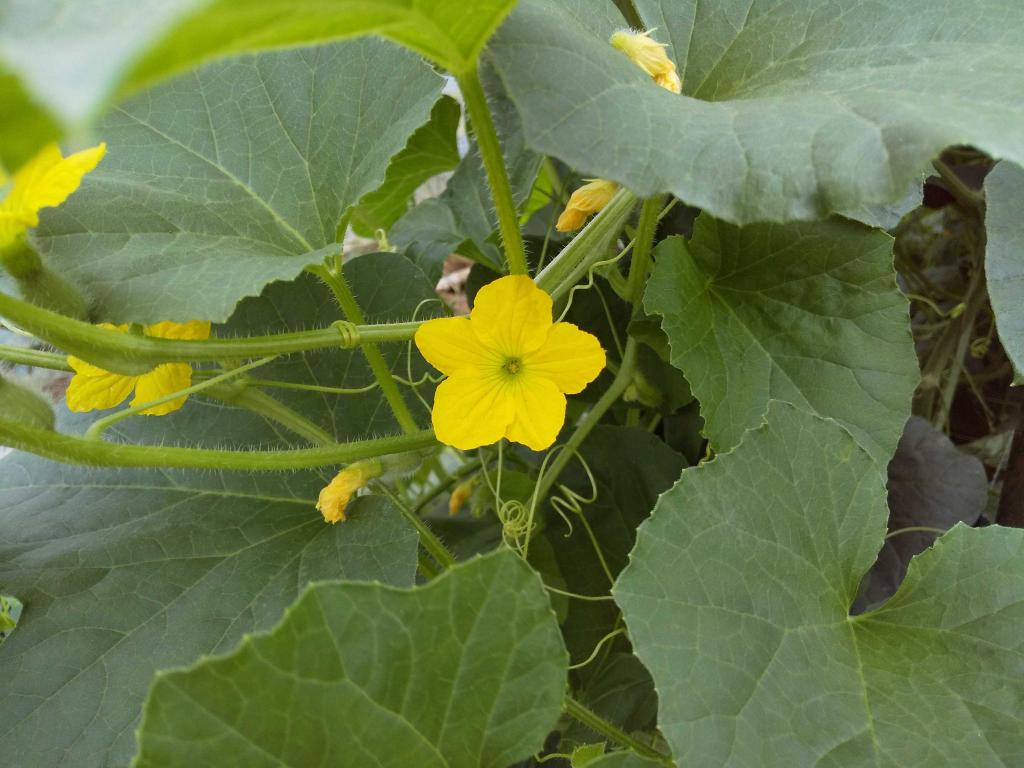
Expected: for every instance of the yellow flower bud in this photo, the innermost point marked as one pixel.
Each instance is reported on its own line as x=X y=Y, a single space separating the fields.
x=650 y=56
x=587 y=200
x=336 y=496
x=461 y=495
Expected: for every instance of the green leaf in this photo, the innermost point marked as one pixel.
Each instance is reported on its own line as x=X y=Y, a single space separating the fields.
x=234 y=176
x=623 y=759
x=121 y=45
x=126 y=572
x=806 y=313
x=431 y=150
x=468 y=670
x=737 y=598
x=791 y=110
x=1004 y=256
x=623 y=502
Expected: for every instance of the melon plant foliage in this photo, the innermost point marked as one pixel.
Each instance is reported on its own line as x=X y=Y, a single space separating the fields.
x=782 y=527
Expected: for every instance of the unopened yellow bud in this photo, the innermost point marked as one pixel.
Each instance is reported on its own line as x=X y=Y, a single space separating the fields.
x=336 y=496
x=650 y=56
x=461 y=495
x=585 y=201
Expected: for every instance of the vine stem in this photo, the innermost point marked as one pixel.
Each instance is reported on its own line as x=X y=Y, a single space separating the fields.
x=34 y=357
x=244 y=396
x=640 y=265
x=335 y=280
x=131 y=354
x=494 y=165
x=70 y=449
x=595 y=722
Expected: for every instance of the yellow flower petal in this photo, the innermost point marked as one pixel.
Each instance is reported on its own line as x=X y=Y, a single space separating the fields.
x=539 y=412
x=670 y=81
x=48 y=179
x=646 y=53
x=588 y=199
x=193 y=329
x=450 y=345
x=471 y=410
x=92 y=388
x=570 y=358
x=512 y=316
x=162 y=381
x=335 y=497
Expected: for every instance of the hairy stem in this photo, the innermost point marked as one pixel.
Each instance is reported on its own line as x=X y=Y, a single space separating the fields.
x=70 y=449
x=640 y=265
x=335 y=280
x=34 y=357
x=494 y=164
x=133 y=354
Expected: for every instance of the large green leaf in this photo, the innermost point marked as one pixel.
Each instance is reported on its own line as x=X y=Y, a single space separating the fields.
x=73 y=57
x=737 y=598
x=792 y=109
x=806 y=313
x=466 y=671
x=233 y=176
x=126 y=572
x=1004 y=256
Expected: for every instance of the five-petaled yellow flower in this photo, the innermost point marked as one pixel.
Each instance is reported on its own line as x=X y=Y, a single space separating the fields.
x=509 y=367
x=43 y=182
x=93 y=388
x=336 y=496
x=587 y=200
x=650 y=56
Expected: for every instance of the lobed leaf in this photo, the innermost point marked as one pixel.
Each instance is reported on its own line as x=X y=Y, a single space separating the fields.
x=468 y=670
x=737 y=599
x=234 y=176
x=790 y=110
x=806 y=313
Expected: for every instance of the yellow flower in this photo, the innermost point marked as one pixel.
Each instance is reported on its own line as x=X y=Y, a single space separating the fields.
x=646 y=53
x=509 y=367
x=93 y=388
x=587 y=200
x=43 y=182
x=336 y=496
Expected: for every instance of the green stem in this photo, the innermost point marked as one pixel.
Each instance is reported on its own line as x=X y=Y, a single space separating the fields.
x=595 y=722
x=34 y=357
x=915 y=529
x=608 y=399
x=428 y=539
x=644 y=245
x=494 y=163
x=244 y=396
x=588 y=247
x=133 y=354
x=964 y=195
x=96 y=428
x=70 y=449
x=335 y=280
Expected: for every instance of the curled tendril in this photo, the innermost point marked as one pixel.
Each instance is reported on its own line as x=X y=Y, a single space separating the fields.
x=348 y=332
x=409 y=382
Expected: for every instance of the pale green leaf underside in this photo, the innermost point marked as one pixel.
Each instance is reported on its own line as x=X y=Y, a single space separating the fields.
x=791 y=110
x=72 y=57
x=1004 y=257
x=737 y=598
x=126 y=572
x=234 y=176
x=466 y=671
x=808 y=313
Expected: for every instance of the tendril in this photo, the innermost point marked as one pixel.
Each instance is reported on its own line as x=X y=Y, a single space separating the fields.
x=414 y=385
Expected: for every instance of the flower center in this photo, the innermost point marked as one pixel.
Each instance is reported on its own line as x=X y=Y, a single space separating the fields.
x=512 y=366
